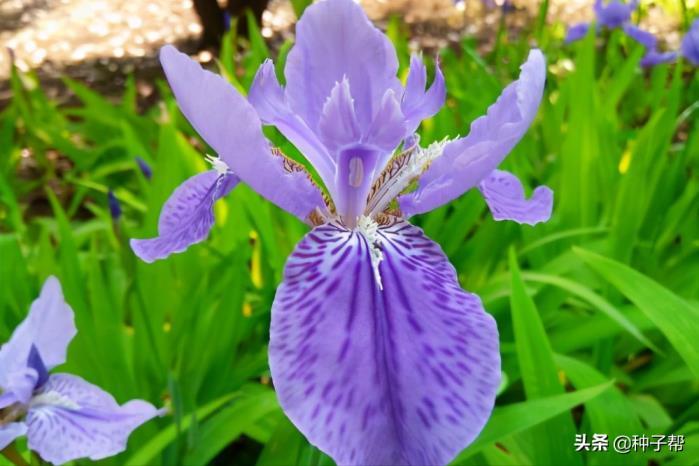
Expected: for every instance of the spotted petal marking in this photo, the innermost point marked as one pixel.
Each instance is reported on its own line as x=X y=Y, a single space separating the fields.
x=403 y=375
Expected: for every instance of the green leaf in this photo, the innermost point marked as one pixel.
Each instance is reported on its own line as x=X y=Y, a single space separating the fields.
x=596 y=300
x=539 y=373
x=518 y=417
x=149 y=451
x=226 y=425
x=676 y=318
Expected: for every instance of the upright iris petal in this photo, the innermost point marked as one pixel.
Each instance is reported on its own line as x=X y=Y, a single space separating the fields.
x=377 y=354
x=63 y=416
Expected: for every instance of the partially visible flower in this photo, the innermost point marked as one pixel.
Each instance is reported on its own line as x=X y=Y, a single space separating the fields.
x=690 y=43
x=144 y=167
x=377 y=354
x=654 y=57
x=615 y=13
x=577 y=32
x=63 y=416
x=114 y=205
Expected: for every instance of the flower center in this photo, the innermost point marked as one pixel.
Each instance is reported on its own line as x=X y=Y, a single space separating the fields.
x=356 y=166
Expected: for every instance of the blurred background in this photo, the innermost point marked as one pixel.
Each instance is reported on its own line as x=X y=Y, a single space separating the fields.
x=604 y=298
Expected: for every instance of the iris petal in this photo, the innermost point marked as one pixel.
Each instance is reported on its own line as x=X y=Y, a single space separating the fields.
x=467 y=161
x=504 y=194
x=417 y=103
x=187 y=216
x=268 y=98
x=334 y=40
x=576 y=32
x=70 y=418
x=230 y=125
x=50 y=326
x=338 y=124
x=645 y=38
x=403 y=375
x=9 y=432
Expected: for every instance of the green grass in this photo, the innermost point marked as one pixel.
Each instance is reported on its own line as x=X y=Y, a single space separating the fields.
x=598 y=308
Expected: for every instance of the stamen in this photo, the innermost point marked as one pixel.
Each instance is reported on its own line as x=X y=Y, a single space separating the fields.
x=369 y=229
x=218 y=164
x=400 y=172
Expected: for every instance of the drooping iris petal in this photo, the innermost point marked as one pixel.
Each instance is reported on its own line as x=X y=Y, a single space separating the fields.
x=418 y=103
x=504 y=194
x=230 y=125
x=690 y=43
x=653 y=58
x=405 y=374
x=70 y=418
x=268 y=98
x=9 y=432
x=187 y=216
x=49 y=326
x=645 y=38
x=576 y=32
x=334 y=40
x=466 y=161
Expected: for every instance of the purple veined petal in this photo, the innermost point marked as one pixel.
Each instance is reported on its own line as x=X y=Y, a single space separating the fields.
x=230 y=125
x=417 y=103
x=504 y=194
x=576 y=32
x=49 y=326
x=187 y=216
x=406 y=374
x=69 y=418
x=467 y=161
x=268 y=98
x=690 y=43
x=335 y=39
x=338 y=126
x=644 y=38
x=653 y=58
x=9 y=432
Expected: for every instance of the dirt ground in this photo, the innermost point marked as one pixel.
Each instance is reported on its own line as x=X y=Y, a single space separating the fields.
x=101 y=41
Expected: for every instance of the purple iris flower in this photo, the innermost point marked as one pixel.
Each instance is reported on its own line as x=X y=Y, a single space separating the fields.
x=377 y=354
x=690 y=43
x=63 y=416
x=611 y=15
x=615 y=13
